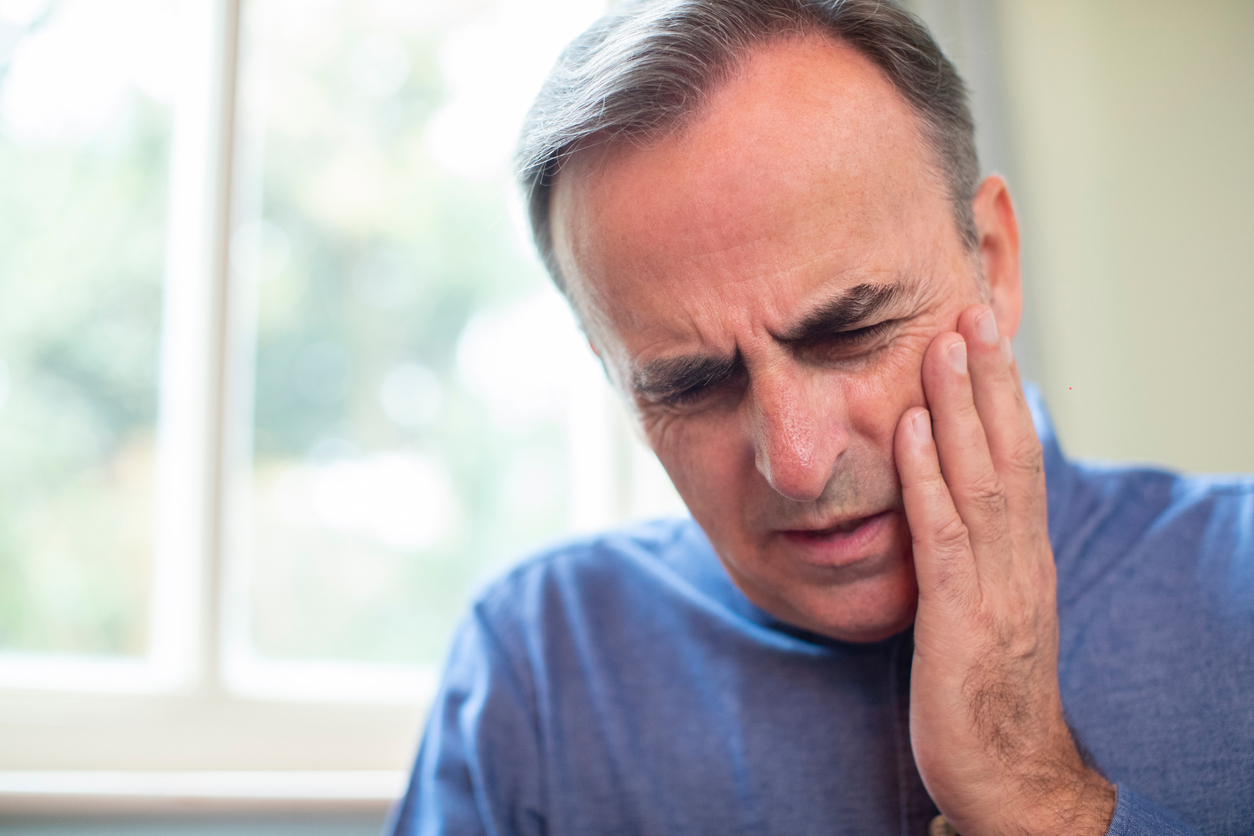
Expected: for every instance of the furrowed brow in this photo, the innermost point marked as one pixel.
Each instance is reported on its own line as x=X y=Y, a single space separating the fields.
x=844 y=312
x=679 y=374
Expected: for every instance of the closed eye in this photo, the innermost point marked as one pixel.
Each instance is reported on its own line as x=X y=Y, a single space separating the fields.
x=697 y=383
x=705 y=392
x=835 y=346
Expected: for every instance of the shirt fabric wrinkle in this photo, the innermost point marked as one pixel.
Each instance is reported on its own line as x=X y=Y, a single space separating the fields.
x=622 y=684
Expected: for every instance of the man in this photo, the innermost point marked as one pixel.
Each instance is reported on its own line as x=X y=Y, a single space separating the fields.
x=766 y=214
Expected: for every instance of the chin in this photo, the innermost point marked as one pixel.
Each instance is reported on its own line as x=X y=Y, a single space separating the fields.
x=870 y=610
x=868 y=632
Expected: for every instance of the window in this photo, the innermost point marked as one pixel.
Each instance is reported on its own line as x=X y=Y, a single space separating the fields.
x=280 y=378
x=89 y=109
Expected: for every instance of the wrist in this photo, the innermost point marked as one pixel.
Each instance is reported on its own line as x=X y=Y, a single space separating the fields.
x=1080 y=803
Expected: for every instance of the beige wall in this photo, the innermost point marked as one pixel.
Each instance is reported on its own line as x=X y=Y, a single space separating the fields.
x=1129 y=131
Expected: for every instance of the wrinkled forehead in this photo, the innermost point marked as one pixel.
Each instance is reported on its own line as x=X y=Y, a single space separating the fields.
x=807 y=150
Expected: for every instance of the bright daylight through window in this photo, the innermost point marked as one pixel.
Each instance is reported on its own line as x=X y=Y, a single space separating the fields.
x=412 y=371
x=86 y=119
x=393 y=403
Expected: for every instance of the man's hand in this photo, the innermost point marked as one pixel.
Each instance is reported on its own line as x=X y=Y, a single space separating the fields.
x=986 y=717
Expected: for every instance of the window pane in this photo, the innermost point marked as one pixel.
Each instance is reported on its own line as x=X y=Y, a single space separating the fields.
x=85 y=127
x=412 y=368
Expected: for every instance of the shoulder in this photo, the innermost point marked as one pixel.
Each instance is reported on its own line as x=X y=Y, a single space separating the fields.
x=1158 y=535
x=584 y=622
x=1107 y=511
x=1156 y=618
x=585 y=579
x=1139 y=504
x=627 y=555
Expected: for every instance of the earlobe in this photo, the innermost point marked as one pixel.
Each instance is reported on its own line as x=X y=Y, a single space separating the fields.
x=998 y=232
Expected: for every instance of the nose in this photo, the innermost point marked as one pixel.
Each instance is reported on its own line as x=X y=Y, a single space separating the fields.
x=798 y=433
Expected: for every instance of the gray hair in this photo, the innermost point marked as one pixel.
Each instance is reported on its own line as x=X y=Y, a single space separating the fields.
x=648 y=65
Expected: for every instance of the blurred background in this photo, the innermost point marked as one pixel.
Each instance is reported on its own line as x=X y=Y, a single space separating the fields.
x=281 y=380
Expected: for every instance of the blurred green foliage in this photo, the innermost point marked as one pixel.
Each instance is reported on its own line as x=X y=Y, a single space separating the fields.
x=366 y=259
x=82 y=231
x=385 y=258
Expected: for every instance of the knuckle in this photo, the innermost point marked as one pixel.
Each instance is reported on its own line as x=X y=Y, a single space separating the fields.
x=952 y=585
x=986 y=623
x=1027 y=458
x=1044 y=576
x=951 y=539
x=969 y=412
x=988 y=500
x=1015 y=625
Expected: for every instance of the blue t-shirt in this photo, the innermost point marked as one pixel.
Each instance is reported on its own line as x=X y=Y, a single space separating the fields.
x=623 y=685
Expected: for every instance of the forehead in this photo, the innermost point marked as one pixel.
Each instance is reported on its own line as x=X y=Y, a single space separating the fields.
x=805 y=169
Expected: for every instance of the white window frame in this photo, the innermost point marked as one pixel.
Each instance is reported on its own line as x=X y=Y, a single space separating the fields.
x=98 y=729
x=201 y=716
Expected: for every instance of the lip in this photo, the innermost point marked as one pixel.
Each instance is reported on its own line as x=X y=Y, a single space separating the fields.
x=831 y=546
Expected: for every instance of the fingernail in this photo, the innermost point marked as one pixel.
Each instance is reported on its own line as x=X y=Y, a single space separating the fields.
x=986 y=328
x=958 y=357
x=921 y=425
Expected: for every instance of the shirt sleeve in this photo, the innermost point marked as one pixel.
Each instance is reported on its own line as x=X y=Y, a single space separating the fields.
x=1135 y=816
x=478 y=768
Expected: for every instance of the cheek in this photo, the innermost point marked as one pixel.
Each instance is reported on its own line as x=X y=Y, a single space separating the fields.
x=705 y=456
x=880 y=396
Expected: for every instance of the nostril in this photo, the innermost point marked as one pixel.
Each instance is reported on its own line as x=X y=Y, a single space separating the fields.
x=791 y=466
x=797 y=433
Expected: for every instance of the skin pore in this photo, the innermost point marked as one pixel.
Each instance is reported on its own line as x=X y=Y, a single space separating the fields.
x=762 y=285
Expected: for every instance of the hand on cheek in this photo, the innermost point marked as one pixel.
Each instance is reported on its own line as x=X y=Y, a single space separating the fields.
x=986 y=717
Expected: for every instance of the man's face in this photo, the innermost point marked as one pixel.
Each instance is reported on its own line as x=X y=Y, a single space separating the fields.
x=762 y=285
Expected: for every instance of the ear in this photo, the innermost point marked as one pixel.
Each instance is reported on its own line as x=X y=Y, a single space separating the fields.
x=998 y=231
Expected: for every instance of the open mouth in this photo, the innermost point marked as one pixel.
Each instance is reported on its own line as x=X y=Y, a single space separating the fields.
x=851 y=541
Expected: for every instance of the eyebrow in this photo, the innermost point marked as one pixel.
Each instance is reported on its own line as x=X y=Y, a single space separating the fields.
x=672 y=375
x=842 y=312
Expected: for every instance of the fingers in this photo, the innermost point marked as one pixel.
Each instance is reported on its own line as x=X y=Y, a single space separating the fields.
x=962 y=447
x=998 y=396
x=943 y=559
x=1011 y=437
x=978 y=475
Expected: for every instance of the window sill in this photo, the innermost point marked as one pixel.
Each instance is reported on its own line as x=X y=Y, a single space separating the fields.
x=114 y=793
